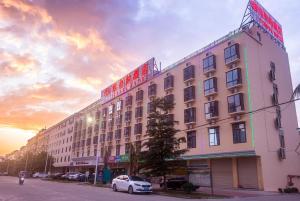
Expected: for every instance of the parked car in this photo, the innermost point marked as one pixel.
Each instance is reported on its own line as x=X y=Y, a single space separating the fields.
x=92 y=178
x=56 y=175
x=177 y=183
x=76 y=176
x=132 y=184
x=3 y=173
x=66 y=175
x=40 y=175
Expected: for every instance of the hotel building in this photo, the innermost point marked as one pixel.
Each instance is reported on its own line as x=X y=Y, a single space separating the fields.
x=228 y=101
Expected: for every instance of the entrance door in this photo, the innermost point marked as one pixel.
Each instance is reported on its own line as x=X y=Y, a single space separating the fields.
x=247 y=172
x=222 y=173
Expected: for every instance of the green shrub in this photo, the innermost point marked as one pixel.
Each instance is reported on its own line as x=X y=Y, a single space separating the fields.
x=188 y=187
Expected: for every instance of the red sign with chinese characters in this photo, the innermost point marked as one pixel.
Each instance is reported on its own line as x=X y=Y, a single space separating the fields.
x=265 y=20
x=134 y=78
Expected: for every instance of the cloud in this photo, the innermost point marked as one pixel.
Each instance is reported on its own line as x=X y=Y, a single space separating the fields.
x=41 y=105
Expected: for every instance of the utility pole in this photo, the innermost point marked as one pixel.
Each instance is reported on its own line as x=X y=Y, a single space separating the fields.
x=46 y=163
x=7 y=166
x=26 y=161
x=96 y=168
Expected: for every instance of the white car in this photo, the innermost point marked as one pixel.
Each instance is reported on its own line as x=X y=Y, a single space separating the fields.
x=131 y=184
x=40 y=175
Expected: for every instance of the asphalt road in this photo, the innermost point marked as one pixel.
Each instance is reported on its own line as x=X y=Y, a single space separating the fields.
x=38 y=190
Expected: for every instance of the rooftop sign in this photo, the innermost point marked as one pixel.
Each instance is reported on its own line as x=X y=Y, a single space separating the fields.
x=138 y=76
x=256 y=13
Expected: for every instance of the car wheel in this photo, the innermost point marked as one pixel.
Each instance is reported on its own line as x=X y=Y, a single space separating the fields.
x=130 y=190
x=115 y=188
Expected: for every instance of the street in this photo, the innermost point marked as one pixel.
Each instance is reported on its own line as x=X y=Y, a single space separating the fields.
x=38 y=190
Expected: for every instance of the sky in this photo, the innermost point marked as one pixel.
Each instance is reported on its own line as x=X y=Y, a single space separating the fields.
x=56 y=56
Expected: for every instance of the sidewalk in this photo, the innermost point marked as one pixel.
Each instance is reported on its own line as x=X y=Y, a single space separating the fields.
x=235 y=193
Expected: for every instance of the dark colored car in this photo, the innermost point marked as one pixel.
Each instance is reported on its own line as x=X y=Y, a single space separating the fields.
x=177 y=183
x=92 y=178
x=56 y=175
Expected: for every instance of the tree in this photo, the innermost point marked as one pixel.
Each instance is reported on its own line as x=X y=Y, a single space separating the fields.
x=162 y=145
x=296 y=93
x=133 y=160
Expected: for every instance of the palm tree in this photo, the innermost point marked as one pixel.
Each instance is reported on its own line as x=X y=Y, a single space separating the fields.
x=296 y=93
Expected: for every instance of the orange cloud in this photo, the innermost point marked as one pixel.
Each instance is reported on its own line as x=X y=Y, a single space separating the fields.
x=29 y=9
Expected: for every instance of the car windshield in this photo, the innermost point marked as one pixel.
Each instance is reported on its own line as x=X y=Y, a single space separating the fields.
x=135 y=178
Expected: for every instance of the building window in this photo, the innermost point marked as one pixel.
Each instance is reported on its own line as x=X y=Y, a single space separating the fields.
x=118 y=134
x=119 y=119
x=127 y=148
x=190 y=115
x=272 y=76
x=128 y=116
x=139 y=112
x=231 y=53
x=119 y=105
x=191 y=139
x=97 y=115
x=189 y=73
x=209 y=63
x=210 y=86
x=111 y=109
x=127 y=131
x=282 y=141
x=109 y=136
x=96 y=129
x=103 y=125
x=128 y=101
x=95 y=140
x=95 y=152
x=233 y=78
x=104 y=112
x=102 y=152
x=169 y=82
x=214 y=137
x=275 y=94
x=88 y=152
x=139 y=95
x=138 y=128
x=235 y=103
x=110 y=123
x=211 y=109
x=189 y=93
x=117 y=150
x=88 y=142
x=109 y=150
x=169 y=99
x=239 y=132
x=151 y=108
x=152 y=90
x=138 y=146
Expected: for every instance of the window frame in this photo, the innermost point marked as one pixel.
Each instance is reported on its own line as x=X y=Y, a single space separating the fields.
x=215 y=134
x=189 y=73
x=191 y=141
x=213 y=86
x=169 y=82
x=241 y=103
x=207 y=65
x=189 y=93
x=238 y=136
x=231 y=56
x=211 y=112
x=234 y=81
x=192 y=116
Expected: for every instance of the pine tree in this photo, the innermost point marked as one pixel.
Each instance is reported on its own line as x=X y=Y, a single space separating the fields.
x=162 y=145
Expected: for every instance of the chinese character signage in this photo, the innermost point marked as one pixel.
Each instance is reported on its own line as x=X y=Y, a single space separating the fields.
x=266 y=21
x=131 y=80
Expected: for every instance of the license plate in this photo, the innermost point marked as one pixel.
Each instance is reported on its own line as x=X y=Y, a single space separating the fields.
x=146 y=189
